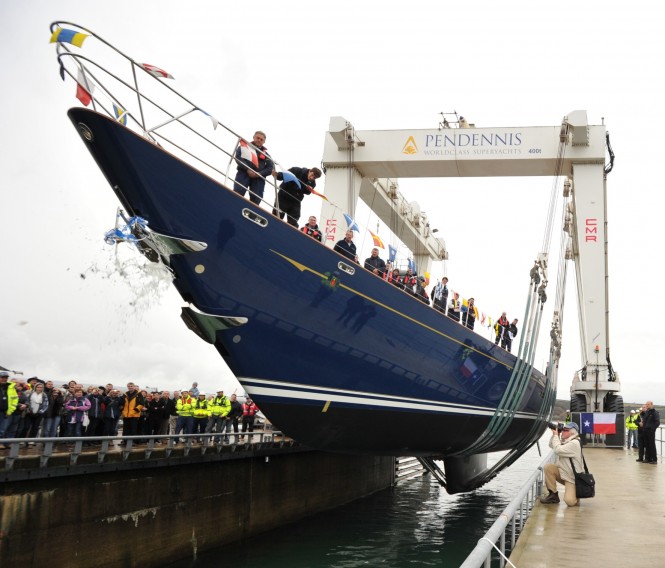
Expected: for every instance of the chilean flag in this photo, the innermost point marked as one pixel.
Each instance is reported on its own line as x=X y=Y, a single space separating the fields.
x=598 y=423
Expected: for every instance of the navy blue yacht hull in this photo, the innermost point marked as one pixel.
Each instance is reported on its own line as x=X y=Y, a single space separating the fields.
x=339 y=361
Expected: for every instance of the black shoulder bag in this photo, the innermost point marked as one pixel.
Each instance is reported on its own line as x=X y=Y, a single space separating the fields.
x=585 y=484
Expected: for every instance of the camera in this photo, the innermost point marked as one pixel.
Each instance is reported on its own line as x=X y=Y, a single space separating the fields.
x=558 y=426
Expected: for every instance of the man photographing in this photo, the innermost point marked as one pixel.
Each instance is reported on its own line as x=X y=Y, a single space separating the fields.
x=566 y=448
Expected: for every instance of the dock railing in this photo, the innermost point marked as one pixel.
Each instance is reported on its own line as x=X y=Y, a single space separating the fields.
x=44 y=457
x=509 y=524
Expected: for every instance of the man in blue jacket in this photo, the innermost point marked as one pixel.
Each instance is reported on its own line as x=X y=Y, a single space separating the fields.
x=254 y=165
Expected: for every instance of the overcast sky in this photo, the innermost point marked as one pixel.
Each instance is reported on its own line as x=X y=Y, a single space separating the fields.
x=286 y=68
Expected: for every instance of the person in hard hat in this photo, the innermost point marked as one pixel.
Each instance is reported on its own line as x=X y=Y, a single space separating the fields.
x=631 y=429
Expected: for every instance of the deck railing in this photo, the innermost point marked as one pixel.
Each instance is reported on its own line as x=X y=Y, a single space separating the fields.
x=509 y=524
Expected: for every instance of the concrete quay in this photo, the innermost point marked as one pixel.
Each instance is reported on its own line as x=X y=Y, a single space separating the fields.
x=140 y=512
x=621 y=523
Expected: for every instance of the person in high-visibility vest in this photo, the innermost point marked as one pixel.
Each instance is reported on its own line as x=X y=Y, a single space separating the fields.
x=200 y=411
x=631 y=429
x=183 y=408
x=218 y=410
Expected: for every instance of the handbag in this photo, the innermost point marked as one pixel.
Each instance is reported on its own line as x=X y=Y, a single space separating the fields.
x=585 y=484
x=86 y=420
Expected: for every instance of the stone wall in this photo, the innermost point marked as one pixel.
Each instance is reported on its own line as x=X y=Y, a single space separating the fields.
x=149 y=517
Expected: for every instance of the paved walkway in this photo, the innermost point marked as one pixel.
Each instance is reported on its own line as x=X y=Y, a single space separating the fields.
x=618 y=527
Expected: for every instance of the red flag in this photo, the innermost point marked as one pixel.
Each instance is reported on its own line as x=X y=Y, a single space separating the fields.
x=82 y=94
x=156 y=71
x=377 y=240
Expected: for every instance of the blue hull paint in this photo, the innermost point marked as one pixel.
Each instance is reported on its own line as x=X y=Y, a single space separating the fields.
x=356 y=367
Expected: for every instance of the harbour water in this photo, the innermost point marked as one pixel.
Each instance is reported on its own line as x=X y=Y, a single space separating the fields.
x=415 y=524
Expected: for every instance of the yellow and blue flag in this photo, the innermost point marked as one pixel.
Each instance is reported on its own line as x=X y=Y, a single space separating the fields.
x=120 y=114
x=64 y=35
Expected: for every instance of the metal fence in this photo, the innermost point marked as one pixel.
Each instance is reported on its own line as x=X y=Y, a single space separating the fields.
x=502 y=536
x=42 y=455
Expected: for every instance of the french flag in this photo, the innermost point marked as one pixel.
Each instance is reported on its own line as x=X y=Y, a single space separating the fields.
x=598 y=423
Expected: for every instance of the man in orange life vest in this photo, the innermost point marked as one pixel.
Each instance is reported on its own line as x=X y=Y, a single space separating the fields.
x=254 y=165
x=312 y=229
x=249 y=410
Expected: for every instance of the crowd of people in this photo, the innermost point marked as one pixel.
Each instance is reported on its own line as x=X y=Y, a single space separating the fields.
x=36 y=408
x=409 y=282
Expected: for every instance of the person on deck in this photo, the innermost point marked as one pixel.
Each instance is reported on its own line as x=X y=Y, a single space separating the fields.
x=346 y=247
x=470 y=313
x=509 y=335
x=631 y=430
x=312 y=229
x=254 y=165
x=454 y=307
x=409 y=281
x=301 y=182
x=440 y=295
x=640 y=433
x=421 y=292
x=566 y=448
x=501 y=327
x=651 y=424
x=375 y=263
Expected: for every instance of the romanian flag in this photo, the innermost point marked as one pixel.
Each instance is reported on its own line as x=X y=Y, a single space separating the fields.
x=377 y=240
x=351 y=223
x=155 y=71
x=120 y=114
x=83 y=89
x=61 y=35
x=427 y=276
x=598 y=422
x=248 y=153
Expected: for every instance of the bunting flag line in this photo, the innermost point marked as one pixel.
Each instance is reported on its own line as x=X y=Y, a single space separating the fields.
x=155 y=71
x=248 y=153
x=317 y=193
x=120 y=114
x=64 y=35
x=83 y=89
x=351 y=223
x=377 y=240
x=392 y=253
x=214 y=121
